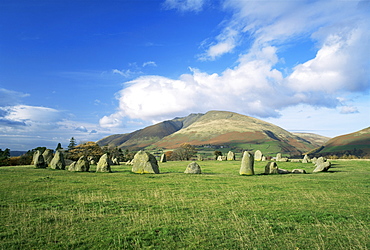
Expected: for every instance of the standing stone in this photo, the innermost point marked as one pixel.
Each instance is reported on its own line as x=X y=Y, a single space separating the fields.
x=193 y=168
x=306 y=159
x=39 y=161
x=283 y=171
x=82 y=165
x=313 y=160
x=247 y=166
x=35 y=157
x=278 y=157
x=263 y=158
x=271 y=168
x=145 y=163
x=231 y=156
x=200 y=158
x=103 y=164
x=48 y=156
x=258 y=155
x=72 y=166
x=322 y=166
x=219 y=158
x=58 y=161
x=163 y=158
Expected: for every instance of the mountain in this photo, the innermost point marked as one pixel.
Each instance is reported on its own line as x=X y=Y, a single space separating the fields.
x=238 y=131
x=215 y=128
x=357 y=143
x=315 y=139
x=149 y=135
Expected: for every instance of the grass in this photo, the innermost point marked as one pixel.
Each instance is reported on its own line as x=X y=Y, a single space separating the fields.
x=51 y=209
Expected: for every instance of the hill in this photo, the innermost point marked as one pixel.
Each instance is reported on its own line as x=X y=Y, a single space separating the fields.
x=147 y=136
x=215 y=128
x=357 y=143
x=315 y=139
x=238 y=131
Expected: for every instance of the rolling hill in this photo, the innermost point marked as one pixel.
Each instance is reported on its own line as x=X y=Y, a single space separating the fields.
x=214 y=128
x=357 y=143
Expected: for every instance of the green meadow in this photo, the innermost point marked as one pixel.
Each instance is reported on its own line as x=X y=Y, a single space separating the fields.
x=54 y=209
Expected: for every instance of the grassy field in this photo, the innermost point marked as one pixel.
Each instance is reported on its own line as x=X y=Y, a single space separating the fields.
x=54 y=209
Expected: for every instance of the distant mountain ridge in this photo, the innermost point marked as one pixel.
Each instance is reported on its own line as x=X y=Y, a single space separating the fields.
x=356 y=143
x=213 y=128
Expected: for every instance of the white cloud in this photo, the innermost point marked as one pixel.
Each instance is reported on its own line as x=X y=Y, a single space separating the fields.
x=349 y=110
x=185 y=5
x=10 y=97
x=82 y=129
x=150 y=63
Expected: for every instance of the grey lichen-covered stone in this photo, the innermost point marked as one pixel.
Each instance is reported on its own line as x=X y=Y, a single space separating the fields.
x=306 y=159
x=271 y=168
x=48 y=156
x=219 y=158
x=193 y=168
x=115 y=161
x=39 y=161
x=283 y=171
x=163 y=158
x=247 y=165
x=200 y=158
x=35 y=157
x=278 y=157
x=263 y=158
x=72 y=166
x=145 y=163
x=258 y=155
x=231 y=156
x=322 y=166
x=103 y=164
x=82 y=165
x=58 y=161
x=298 y=171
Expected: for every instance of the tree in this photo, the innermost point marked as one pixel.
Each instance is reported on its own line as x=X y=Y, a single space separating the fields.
x=184 y=152
x=217 y=154
x=87 y=149
x=72 y=143
x=59 y=147
x=4 y=156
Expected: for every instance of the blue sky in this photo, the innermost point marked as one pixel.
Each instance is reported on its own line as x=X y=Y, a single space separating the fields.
x=89 y=69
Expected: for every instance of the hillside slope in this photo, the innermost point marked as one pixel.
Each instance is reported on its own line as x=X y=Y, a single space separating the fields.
x=232 y=129
x=147 y=136
x=315 y=139
x=357 y=143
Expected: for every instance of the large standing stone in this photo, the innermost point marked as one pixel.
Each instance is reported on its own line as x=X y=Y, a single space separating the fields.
x=58 y=161
x=82 y=165
x=39 y=161
x=258 y=155
x=231 y=156
x=322 y=166
x=35 y=157
x=48 y=156
x=103 y=164
x=115 y=161
x=193 y=168
x=163 y=158
x=219 y=158
x=247 y=165
x=306 y=159
x=145 y=163
x=72 y=166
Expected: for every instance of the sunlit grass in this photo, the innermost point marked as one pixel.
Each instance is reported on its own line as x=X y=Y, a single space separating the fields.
x=51 y=209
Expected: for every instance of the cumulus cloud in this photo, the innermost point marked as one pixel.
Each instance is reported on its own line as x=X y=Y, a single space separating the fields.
x=349 y=110
x=185 y=5
x=82 y=129
x=340 y=32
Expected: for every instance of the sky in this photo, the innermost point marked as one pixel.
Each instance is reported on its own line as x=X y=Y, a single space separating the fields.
x=90 y=68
